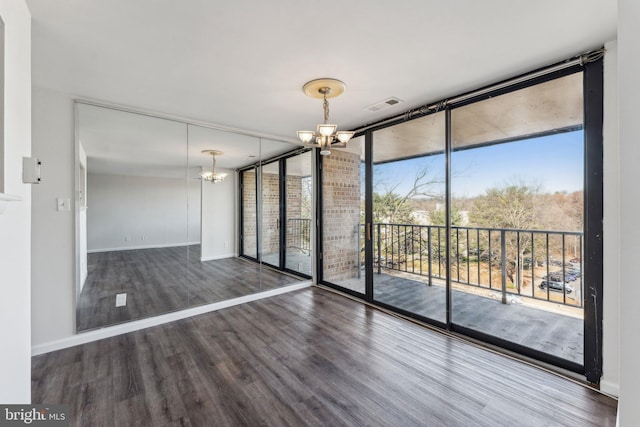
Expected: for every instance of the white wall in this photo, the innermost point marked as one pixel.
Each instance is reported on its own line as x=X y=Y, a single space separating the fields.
x=53 y=254
x=629 y=105
x=218 y=218
x=15 y=240
x=126 y=212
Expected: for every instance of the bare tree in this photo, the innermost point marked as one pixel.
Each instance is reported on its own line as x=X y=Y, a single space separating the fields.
x=512 y=206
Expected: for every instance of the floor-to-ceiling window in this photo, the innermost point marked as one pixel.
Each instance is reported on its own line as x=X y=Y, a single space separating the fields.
x=481 y=214
x=409 y=233
x=517 y=186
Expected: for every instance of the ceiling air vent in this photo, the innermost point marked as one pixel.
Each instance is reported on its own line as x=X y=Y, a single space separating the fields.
x=384 y=104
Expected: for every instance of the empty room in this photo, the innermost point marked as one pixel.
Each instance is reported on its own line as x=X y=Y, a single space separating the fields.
x=319 y=213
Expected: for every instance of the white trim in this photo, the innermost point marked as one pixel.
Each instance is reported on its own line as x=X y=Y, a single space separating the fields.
x=132 y=248
x=5 y=198
x=136 y=325
x=213 y=258
x=610 y=388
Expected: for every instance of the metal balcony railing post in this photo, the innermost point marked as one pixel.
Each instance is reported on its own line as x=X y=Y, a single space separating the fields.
x=358 y=246
x=503 y=260
x=379 y=250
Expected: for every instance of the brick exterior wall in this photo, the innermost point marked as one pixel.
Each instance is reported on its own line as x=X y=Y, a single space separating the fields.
x=270 y=211
x=249 y=212
x=341 y=215
x=294 y=209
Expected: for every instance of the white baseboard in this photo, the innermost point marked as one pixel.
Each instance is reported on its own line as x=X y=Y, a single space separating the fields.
x=215 y=257
x=136 y=325
x=132 y=248
x=610 y=388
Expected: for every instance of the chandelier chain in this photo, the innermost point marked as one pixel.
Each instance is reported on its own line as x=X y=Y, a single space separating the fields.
x=325 y=105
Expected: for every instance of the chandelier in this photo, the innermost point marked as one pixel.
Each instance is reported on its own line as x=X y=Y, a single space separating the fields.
x=325 y=133
x=212 y=176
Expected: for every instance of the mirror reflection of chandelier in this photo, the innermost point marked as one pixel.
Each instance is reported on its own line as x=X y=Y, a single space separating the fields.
x=212 y=175
x=325 y=133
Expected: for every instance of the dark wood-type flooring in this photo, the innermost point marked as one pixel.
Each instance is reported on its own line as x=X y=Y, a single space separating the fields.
x=161 y=280
x=308 y=357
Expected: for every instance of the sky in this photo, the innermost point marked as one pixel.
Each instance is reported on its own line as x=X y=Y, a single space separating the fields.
x=554 y=162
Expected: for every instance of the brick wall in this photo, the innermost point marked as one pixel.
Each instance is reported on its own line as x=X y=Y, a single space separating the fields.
x=249 y=229
x=270 y=211
x=341 y=215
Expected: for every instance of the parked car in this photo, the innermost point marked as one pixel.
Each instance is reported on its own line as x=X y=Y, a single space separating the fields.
x=556 y=286
x=575 y=260
x=556 y=276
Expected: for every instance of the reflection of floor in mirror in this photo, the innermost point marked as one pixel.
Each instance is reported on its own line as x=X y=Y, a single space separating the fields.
x=161 y=280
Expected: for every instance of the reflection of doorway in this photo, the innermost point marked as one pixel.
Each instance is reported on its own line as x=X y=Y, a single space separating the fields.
x=285 y=213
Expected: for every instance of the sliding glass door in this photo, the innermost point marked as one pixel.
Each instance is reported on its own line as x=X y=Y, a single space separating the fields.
x=282 y=188
x=517 y=191
x=298 y=213
x=249 y=213
x=479 y=215
x=408 y=221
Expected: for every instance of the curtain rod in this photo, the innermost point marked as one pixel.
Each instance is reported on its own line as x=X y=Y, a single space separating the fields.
x=590 y=56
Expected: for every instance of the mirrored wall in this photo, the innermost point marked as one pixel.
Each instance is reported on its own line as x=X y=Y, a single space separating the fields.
x=159 y=219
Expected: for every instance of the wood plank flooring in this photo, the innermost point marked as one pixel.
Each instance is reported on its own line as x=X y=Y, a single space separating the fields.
x=308 y=357
x=161 y=280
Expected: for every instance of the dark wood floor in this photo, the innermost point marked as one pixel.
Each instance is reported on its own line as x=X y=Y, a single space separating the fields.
x=161 y=280
x=308 y=357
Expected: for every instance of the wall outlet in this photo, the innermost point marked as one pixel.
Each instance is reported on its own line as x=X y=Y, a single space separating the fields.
x=143 y=237
x=121 y=300
x=127 y=238
x=226 y=243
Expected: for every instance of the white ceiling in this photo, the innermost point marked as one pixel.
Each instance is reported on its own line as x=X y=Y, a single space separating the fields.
x=242 y=63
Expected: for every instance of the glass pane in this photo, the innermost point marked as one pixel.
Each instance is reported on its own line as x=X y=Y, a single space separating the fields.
x=517 y=215
x=409 y=235
x=249 y=214
x=299 y=213
x=343 y=216
x=270 y=197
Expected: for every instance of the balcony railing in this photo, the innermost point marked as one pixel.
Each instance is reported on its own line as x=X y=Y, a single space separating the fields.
x=299 y=234
x=537 y=264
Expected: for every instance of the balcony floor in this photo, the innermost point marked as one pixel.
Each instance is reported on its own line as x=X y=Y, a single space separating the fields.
x=535 y=324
